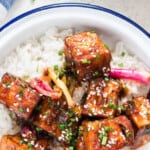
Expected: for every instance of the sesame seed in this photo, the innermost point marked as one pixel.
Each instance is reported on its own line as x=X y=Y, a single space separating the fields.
x=27 y=109
x=15 y=104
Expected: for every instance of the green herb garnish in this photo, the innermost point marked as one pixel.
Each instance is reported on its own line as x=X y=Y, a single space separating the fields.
x=108 y=129
x=56 y=68
x=38 y=129
x=26 y=77
x=104 y=140
x=61 y=52
x=46 y=113
x=120 y=65
x=71 y=148
x=106 y=46
x=7 y=83
x=30 y=146
x=38 y=107
x=98 y=57
x=62 y=126
x=128 y=134
x=122 y=54
x=21 y=92
x=122 y=108
x=112 y=105
x=37 y=68
x=96 y=73
x=21 y=109
x=85 y=61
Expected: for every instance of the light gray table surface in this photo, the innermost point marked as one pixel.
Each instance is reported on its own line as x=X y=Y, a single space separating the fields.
x=137 y=10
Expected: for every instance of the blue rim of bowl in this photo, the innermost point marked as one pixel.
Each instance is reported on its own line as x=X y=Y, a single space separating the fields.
x=83 y=5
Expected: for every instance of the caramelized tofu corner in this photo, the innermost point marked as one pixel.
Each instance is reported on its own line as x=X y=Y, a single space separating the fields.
x=18 y=96
x=9 y=142
x=102 y=98
x=139 y=111
x=15 y=142
x=105 y=135
x=86 y=55
x=57 y=119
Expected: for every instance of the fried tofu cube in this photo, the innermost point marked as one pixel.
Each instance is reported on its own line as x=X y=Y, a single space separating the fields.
x=139 y=111
x=55 y=118
x=18 y=96
x=86 y=55
x=15 y=142
x=102 y=98
x=9 y=142
x=105 y=135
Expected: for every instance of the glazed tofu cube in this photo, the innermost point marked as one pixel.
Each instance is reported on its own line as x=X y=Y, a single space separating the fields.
x=15 y=142
x=18 y=96
x=105 y=135
x=102 y=98
x=139 y=111
x=86 y=55
x=55 y=118
x=9 y=142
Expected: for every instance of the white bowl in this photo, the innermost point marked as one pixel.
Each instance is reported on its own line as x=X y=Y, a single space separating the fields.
x=112 y=25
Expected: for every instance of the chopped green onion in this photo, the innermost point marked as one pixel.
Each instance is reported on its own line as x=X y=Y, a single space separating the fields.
x=106 y=46
x=108 y=129
x=79 y=131
x=125 y=88
x=98 y=57
x=104 y=140
x=71 y=148
x=22 y=141
x=62 y=126
x=38 y=107
x=21 y=92
x=46 y=113
x=70 y=124
x=56 y=68
x=122 y=108
x=148 y=113
x=96 y=73
x=65 y=64
x=92 y=31
x=30 y=146
x=21 y=109
x=122 y=54
x=38 y=129
x=100 y=135
x=112 y=105
x=49 y=101
x=26 y=77
x=37 y=68
x=85 y=61
x=7 y=83
x=61 y=52
x=128 y=134
x=120 y=65
x=11 y=115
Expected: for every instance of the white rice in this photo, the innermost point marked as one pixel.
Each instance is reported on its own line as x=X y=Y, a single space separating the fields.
x=129 y=61
x=32 y=56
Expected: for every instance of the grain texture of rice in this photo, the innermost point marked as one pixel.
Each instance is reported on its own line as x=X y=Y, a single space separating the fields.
x=30 y=58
